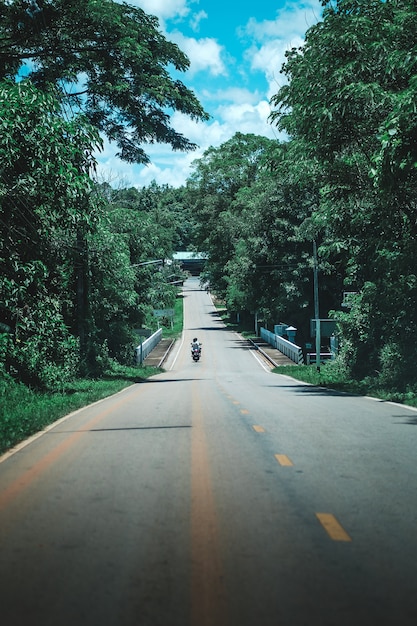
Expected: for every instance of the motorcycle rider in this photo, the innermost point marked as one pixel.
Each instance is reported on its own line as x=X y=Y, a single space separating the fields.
x=195 y=345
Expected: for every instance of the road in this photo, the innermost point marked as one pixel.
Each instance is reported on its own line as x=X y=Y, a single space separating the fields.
x=218 y=494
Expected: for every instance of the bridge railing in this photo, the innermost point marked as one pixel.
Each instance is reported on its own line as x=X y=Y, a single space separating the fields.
x=291 y=350
x=144 y=348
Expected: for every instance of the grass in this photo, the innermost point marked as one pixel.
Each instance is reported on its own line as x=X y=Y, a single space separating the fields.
x=243 y=326
x=330 y=375
x=24 y=411
x=176 y=330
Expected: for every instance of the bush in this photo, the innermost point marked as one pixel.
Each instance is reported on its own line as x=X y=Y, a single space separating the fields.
x=46 y=360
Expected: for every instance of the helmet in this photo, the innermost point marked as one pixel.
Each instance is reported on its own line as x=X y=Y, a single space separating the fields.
x=195 y=339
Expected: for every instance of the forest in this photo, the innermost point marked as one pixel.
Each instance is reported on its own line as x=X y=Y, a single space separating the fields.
x=83 y=265
x=345 y=180
x=75 y=277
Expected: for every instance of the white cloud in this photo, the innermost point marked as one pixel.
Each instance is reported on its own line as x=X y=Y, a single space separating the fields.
x=271 y=39
x=247 y=118
x=234 y=107
x=196 y=19
x=163 y=9
x=293 y=19
x=173 y=168
x=231 y=94
x=204 y=54
x=269 y=59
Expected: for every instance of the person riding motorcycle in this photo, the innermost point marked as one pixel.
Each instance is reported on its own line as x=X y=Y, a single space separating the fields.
x=195 y=345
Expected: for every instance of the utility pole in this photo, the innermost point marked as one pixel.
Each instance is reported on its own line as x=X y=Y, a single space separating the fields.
x=316 y=304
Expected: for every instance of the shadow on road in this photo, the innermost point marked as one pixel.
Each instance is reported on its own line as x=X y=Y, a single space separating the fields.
x=409 y=421
x=313 y=390
x=171 y=380
x=103 y=430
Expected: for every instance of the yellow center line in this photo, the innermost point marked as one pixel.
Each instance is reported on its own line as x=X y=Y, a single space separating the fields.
x=244 y=411
x=258 y=429
x=283 y=460
x=332 y=527
x=208 y=601
x=29 y=476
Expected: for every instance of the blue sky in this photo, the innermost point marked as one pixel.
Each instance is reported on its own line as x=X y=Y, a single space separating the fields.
x=236 y=49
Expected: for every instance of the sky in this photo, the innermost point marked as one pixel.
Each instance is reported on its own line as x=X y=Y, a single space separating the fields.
x=236 y=50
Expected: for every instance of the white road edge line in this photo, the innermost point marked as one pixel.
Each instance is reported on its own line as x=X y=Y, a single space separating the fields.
x=261 y=363
x=26 y=442
x=178 y=351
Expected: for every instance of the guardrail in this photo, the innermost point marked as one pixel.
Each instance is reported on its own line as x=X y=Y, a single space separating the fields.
x=324 y=356
x=291 y=350
x=144 y=348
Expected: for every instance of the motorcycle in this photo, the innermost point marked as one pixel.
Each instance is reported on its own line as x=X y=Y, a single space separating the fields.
x=195 y=352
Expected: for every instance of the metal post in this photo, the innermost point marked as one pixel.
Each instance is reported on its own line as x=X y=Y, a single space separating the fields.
x=316 y=305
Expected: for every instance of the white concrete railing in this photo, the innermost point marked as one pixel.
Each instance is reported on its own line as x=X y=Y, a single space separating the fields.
x=144 y=348
x=293 y=352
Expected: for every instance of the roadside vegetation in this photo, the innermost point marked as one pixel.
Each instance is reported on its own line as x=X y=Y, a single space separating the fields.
x=84 y=265
x=332 y=374
x=24 y=410
x=344 y=184
x=175 y=331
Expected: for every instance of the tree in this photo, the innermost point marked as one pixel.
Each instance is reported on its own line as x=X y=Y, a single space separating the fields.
x=45 y=200
x=129 y=275
x=349 y=97
x=217 y=178
x=272 y=268
x=253 y=198
x=108 y=59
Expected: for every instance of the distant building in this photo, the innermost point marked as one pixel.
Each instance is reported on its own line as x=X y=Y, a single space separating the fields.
x=192 y=262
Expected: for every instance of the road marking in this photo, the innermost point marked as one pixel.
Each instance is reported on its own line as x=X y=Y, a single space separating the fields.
x=244 y=411
x=26 y=478
x=264 y=367
x=283 y=460
x=236 y=402
x=258 y=429
x=332 y=527
x=208 y=599
x=178 y=352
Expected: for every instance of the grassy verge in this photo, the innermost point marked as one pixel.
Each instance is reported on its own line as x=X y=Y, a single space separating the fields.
x=176 y=330
x=244 y=327
x=330 y=375
x=24 y=411
x=327 y=377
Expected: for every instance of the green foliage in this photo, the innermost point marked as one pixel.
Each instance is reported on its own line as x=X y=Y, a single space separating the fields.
x=254 y=200
x=24 y=411
x=334 y=376
x=45 y=187
x=73 y=288
x=109 y=59
x=178 y=323
x=350 y=98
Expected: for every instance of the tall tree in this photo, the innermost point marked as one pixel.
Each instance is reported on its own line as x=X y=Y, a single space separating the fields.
x=45 y=200
x=350 y=98
x=216 y=180
x=109 y=59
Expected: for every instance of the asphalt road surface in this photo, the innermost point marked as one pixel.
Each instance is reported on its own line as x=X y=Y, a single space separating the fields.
x=218 y=494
